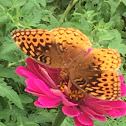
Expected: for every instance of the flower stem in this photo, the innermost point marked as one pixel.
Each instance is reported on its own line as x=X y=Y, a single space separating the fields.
x=14 y=63
x=59 y=119
x=71 y=4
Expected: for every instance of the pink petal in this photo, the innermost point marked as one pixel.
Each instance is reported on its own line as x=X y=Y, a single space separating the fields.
x=117 y=112
x=25 y=72
x=123 y=86
x=65 y=101
x=47 y=102
x=121 y=78
x=92 y=104
x=88 y=51
x=37 y=86
x=18 y=70
x=39 y=71
x=113 y=104
x=36 y=68
x=123 y=89
x=45 y=77
x=53 y=73
x=70 y=111
x=122 y=111
x=103 y=107
x=77 y=123
x=92 y=113
x=84 y=119
x=113 y=113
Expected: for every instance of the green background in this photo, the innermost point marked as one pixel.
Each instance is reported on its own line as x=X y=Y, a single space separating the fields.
x=103 y=21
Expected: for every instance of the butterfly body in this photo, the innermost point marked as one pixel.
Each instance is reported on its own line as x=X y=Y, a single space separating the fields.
x=67 y=48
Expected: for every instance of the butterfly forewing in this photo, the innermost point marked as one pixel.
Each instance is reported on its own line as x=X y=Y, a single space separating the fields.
x=38 y=44
x=52 y=48
x=71 y=43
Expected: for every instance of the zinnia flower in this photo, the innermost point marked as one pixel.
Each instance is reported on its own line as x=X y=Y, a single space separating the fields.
x=44 y=82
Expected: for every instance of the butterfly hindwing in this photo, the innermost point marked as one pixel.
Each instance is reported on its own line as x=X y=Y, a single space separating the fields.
x=104 y=85
x=97 y=76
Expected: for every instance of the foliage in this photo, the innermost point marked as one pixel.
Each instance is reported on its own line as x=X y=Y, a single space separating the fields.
x=103 y=21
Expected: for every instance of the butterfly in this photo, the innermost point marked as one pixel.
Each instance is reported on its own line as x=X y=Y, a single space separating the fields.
x=67 y=48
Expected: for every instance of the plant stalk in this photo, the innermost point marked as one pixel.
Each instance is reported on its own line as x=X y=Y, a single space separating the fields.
x=70 y=5
x=59 y=119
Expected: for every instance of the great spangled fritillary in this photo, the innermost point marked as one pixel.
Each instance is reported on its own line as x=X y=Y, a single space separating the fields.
x=66 y=48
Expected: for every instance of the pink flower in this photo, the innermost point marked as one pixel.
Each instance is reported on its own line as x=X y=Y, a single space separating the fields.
x=43 y=82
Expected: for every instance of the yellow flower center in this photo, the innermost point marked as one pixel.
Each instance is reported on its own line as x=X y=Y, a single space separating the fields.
x=76 y=94
x=73 y=93
x=61 y=86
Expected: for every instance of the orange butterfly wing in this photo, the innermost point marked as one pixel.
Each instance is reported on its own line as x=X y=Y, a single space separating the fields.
x=54 y=48
x=97 y=76
x=38 y=44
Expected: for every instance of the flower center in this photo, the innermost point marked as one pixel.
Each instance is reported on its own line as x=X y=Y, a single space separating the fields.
x=61 y=86
x=76 y=94
x=69 y=89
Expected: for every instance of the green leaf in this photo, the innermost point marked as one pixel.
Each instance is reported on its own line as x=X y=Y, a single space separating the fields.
x=38 y=118
x=48 y=115
x=6 y=4
x=11 y=124
x=68 y=121
x=115 y=43
x=1 y=124
x=49 y=1
x=18 y=4
x=114 y=4
x=103 y=25
x=25 y=98
x=31 y=124
x=124 y=1
x=43 y=3
x=8 y=73
x=99 y=123
x=5 y=114
x=3 y=18
x=53 y=21
x=105 y=35
x=32 y=19
x=121 y=48
x=117 y=36
x=6 y=91
x=7 y=47
x=85 y=24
